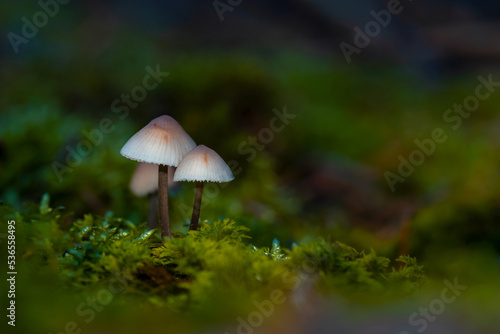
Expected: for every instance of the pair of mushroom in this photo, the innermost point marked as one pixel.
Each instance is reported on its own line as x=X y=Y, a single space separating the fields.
x=164 y=142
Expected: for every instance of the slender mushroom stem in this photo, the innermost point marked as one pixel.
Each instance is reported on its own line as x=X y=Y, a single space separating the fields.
x=196 y=207
x=153 y=208
x=163 y=201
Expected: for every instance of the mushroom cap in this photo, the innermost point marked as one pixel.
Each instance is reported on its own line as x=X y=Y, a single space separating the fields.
x=163 y=142
x=203 y=164
x=144 y=181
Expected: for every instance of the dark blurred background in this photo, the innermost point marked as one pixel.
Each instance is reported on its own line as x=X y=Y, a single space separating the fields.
x=229 y=67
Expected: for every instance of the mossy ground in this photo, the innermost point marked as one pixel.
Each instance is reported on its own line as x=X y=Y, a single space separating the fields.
x=213 y=273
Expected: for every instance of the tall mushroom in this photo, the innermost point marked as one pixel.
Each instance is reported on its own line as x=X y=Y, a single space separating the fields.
x=162 y=142
x=144 y=182
x=200 y=165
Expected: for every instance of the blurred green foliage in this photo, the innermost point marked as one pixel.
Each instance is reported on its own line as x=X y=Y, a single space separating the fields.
x=345 y=116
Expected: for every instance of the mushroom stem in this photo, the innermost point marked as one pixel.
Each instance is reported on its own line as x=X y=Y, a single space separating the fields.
x=153 y=208
x=196 y=207
x=163 y=201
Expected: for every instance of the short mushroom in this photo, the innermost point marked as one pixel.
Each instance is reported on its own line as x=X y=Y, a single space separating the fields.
x=162 y=142
x=200 y=165
x=144 y=182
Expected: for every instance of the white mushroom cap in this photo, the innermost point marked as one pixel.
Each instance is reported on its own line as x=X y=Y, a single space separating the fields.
x=163 y=142
x=203 y=164
x=144 y=181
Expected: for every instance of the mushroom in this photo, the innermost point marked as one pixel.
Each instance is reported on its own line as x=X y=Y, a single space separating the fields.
x=144 y=182
x=162 y=142
x=200 y=165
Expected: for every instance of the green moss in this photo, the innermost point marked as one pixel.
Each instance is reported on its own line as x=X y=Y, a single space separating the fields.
x=191 y=271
